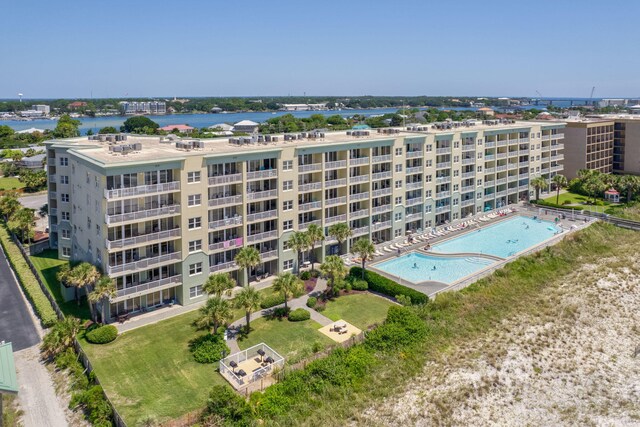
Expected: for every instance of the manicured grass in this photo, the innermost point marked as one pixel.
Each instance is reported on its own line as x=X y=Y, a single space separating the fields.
x=9 y=183
x=569 y=198
x=292 y=340
x=48 y=264
x=361 y=310
x=149 y=371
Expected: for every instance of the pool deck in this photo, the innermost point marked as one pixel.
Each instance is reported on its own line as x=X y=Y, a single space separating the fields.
x=431 y=288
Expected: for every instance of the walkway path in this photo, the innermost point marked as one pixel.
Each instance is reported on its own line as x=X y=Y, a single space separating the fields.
x=301 y=302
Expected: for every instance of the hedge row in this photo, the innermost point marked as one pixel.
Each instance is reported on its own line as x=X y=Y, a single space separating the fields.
x=381 y=284
x=27 y=280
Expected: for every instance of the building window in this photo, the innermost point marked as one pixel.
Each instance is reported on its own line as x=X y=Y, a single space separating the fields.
x=195 y=268
x=195 y=291
x=66 y=234
x=398 y=168
x=427 y=193
x=97 y=229
x=287 y=205
x=88 y=222
x=455 y=187
x=64 y=161
x=287 y=225
x=397 y=233
x=399 y=151
x=427 y=208
x=455 y=202
x=66 y=252
x=64 y=197
x=399 y=200
x=397 y=216
x=195 y=223
x=287 y=165
x=195 y=245
x=428 y=178
x=64 y=179
x=456 y=173
x=456 y=159
x=398 y=184
x=287 y=185
x=66 y=216
x=456 y=144
x=428 y=148
x=194 y=199
x=193 y=177
x=429 y=163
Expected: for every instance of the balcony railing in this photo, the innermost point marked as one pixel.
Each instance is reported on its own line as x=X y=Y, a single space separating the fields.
x=381 y=159
x=413 y=216
x=468 y=174
x=145 y=238
x=414 y=185
x=52 y=194
x=502 y=143
x=443 y=194
x=501 y=181
x=229 y=200
x=359 y=196
x=557 y=157
x=312 y=167
x=359 y=161
x=361 y=231
x=501 y=168
x=336 y=183
x=382 y=192
x=414 y=201
x=270 y=173
x=143 y=214
x=556 y=168
x=501 y=155
x=268 y=256
x=414 y=154
x=336 y=201
x=144 y=263
x=381 y=209
x=444 y=150
x=488 y=171
x=491 y=183
x=262 y=236
x=227 y=244
x=468 y=161
x=490 y=144
x=359 y=214
x=227 y=222
x=381 y=225
x=490 y=196
x=313 y=186
x=501 y=193
x=335 y=164
x=415 y=169
x=381 y=175
x=358 y=178
x=557 y=136
x=224 y=266
x=260 y=216
x=557 y=146
x=513 y=166
x=440 y=209
x=142 y=190
x=467 y=202
x=523 y=187
x=468 y=147
x=333 y=219
x=489 y=157
x=143 y=288
x=443 y=165
x=305 y=225
x=305 y=207
x=225 y=179
x=267 y=194
x=467 y=188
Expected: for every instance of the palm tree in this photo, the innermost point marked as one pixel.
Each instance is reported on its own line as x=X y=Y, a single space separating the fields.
x=248 y=258
x=287 y=284
x=83 y=275
x=539 y=183
x=214 y=313
x=630 y=184
x=314 y=235
x=334 y=268
x=560 y=182
x=64 y=274
x=104 y=290
x=364 y=249
x=341 y=232
x=595 y=185
x=218 y=284
x=9 y=204
x=60 y=337
x=249 y=300
x=299 y=242
x=21 y=222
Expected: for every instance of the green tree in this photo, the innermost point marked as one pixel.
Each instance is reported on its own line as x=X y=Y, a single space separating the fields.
x=105 y=290
x=365 y=250
x=60 y=337
x=341 y=232
x=560 y=182
x=21 y=222
x=213 y=314
x=218 y=284
x=66 y=127
x=334 y=268
x=33 y=180
x=594 y=185
x=83 y=276
x=6 y=131
x=315 y=235
x=9 y=204
x=539 y=183
x=139 y=124
x=248 y=258
x=631 y=185
x=287 y=284
x=249 y=300
x=299 y=243
x=108 y=129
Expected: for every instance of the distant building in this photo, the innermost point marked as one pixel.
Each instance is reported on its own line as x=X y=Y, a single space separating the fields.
x=33 y=162
x=222 y=127
x=41 y=107
x=486 y=111
x=181 y=128
x=588 y=145
x=304 y=107
x=32 y=114
x=246 y=126
x=149 y=107
x=77 y=104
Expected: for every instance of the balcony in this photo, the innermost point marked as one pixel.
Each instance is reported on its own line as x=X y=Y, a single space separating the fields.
x=381 y=175
x=338 y=164
x=556 y=168
x=362 y=213
x=523 y=140
x=468 y=161
x=414 y=154
x=513 y=166
x=502 y=143
x=545 y=170
x=225 y=201
x=269 y=173
x=145 y=288
x=468 y=175
x=225 y=179
x=360 y=231
x=52 y=194
x=512 y=177
x=513 y=153
x=443 y=165
x=359 y=196
x=225 y=223
x=488 y=184
x=358 y=178
x=557 y=146
x=261 y=216
x=142 y=215
x=557 y=136
x=415 y=169
x=488 y=171
x=523 y=176
x=267 y=194
x=306 y=207
x=143 y=239
x=359 y=161
x=414 y=185
x=381 y=159
x=441 y=209
x=443 y=194
x=142 y=190
x=222 y=267
x=53 y=212
x=333 y=219
x=468 y=147
x=501 y=181
x=312 y=167
x=557 y=157
x=144 y=263
x=501 y=168
x=52 y=178
x=336 y=201
x=381 y=209
x=490 y=144
x=381 y=192
x=490 y=196
x=305 y=225
x=489 y=157
x=414 y=201
x=381 y=225
x=501 y=156
x=336 y=183
x=447 y=179
x=467 y=188
x=523 y=187
x=313 y=186
x=444 y=150
x=468 y=202
x=413 y=216
x=262 y=236
x=268 y=256
x=501 y=193
x=227 y=244
x=524 y=164
x=51 y=161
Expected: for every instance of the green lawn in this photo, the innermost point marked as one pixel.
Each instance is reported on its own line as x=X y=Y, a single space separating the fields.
x=292 y=340
x=8 y=183
x=361 y=310
x=47 y=263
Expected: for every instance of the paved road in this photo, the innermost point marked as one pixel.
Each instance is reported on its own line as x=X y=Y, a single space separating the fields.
x=16 y=324
x=34 y=202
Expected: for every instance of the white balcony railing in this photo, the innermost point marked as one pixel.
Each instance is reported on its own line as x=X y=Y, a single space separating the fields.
x=227 y=222
x=382 y=192
x=144 y=288
x=336 y=183
x=267 y=194
x=269 y=173
x=334 y=219
x=226 y=244
x=467 y=202
x=305 y=207
x=381 y=225
x=225 y=179
x=358 y=178
x=414 y=154
x=467 y=188
x=359 y=161
x=222 y=201
x=145 y=238
x=313 y=186
x=441 y=209
x=381 y=159
x=359 y=214
x=223 y=266
x=361 y=231
x=359 y=196
x=143 y=214
x=413 y=216
x=262 y=236
x=443 y=165
x=268 y=256
x=305 y=225
x=143 y=263
x=142 y=190
x=415 y=169
x=336 y=201
x=335 y=164
x=261 y=216
x=312 y=167
x=443 y=194
x=414 y=185
x=414 y=201
x=381 y=209
x=381 y=175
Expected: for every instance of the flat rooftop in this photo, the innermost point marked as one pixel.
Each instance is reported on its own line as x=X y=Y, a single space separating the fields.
x=153 y=148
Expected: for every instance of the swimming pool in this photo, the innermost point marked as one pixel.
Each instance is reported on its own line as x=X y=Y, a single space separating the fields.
x=417 y=267
x=504 y=239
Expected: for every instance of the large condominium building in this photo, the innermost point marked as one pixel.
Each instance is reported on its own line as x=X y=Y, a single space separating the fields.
x=152 y=107
x=159 y=215
x=588 y=145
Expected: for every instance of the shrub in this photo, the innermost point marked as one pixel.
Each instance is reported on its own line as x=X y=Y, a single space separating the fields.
x=315 y=274
x=272 y=301
x=102 y=334
x=306 y=275
x=381 y=284
x=28 y=281
x=299 y=315
x=403 y=328
x=281 y=312
x=403 y=300
x=231 y=407
x=359 y=285
x=94 y=403
x=208 y=348
x=311 y=302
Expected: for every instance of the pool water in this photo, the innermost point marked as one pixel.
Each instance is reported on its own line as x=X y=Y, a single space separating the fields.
x=417 y=267
x=504 y=239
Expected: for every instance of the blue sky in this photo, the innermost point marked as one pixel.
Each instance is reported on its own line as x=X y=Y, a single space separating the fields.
x=347 y=47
